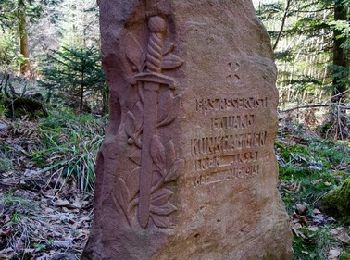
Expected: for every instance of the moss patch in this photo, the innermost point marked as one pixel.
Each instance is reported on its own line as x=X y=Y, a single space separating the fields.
x=345 y=256
x=337 y=201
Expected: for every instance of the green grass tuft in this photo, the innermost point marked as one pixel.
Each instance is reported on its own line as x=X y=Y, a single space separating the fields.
x=5 y=164
x=69 y=145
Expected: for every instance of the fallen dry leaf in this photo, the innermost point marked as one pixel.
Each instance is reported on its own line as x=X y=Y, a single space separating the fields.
x=341 y=235
x=334 y=254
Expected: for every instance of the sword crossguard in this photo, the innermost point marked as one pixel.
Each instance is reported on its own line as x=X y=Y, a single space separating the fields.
x=155 y=78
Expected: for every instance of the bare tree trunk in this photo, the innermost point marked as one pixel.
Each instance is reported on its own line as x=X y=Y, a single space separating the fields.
x=340 y=66
x=286 y=9
x=23 y=37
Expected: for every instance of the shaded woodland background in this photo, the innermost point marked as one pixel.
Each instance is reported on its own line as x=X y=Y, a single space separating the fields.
x=53 y=111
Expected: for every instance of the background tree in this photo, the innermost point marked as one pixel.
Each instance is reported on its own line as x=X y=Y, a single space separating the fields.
x=310 y=46
x=23 y=37
x=22 y=14
x=311 y=43
x=340 y=72
x=75 y=74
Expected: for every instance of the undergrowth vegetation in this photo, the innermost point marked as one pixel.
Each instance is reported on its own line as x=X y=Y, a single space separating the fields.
x=69 y=144
x=63 y=143
x=311 y=167
x=46 y=184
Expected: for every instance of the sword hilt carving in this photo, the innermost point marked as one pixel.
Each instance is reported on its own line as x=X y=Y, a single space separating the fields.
x=158 y=28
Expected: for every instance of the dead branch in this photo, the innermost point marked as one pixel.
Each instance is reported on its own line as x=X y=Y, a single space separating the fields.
x=314 y=105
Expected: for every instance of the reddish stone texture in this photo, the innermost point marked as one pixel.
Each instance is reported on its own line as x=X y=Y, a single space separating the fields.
x=187 y=169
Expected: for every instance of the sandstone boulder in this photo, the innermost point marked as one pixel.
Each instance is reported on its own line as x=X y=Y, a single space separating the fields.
x=187 y=169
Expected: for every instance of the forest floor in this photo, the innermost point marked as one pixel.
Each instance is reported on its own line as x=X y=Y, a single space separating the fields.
x=310 y=167
x=46 y=179
x=46 y=169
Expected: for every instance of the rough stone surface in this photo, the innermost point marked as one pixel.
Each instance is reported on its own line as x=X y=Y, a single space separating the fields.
x=187 y=169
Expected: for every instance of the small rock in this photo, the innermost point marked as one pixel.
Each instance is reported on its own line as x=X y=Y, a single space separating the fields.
x=48 y=210
x=316 y=211
x=62 y=203
x=321 y=219
x=301 y=209
x=328 y=184
x=30 y=173
x=297 y=226
x=62 y=244
x=334 y=254
x=3 y=126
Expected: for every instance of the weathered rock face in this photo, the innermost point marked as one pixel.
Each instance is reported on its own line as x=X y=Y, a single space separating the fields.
x=187 y=169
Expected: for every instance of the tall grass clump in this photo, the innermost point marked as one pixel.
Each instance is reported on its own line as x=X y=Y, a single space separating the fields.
x=69 y=144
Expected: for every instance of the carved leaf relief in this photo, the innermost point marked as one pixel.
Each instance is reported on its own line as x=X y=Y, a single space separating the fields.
x=161 y=197
x=161 y=221
x=134 y=123
x=133 y=180
x=135 y=157
x=158 y=152
x=130 y=124
x=167 y=111
x=171 y=61
x=164 y=210
x=173 y=173
x=170 y=153
x=135 y=53
x=169 y=49
x=121 y=198
x=173 y=164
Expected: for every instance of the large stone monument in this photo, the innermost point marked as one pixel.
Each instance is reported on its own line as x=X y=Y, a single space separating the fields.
x=187 y=169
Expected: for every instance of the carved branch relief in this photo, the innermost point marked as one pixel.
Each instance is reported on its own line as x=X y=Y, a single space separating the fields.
x=156 y=164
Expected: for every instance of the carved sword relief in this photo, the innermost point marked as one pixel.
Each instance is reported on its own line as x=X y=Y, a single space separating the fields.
x=145 y=188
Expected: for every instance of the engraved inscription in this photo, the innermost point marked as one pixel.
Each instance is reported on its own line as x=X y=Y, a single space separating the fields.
x=233 y=145
x=235 y=172
x=230 y=104
x=227 y=143
x=212 y=162
x=207 y=163
x=233 y=122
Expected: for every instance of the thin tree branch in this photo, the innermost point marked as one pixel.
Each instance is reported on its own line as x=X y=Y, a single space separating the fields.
x=288 y=2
